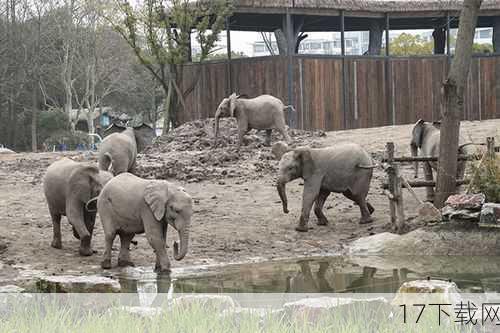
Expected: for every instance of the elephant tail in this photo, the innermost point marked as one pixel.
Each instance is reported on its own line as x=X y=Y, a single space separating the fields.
x=361 y=166
x=108 y=162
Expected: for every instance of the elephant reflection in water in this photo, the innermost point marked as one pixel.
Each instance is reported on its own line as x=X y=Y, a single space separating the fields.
x=369 y=283
x=147 y=293
x=304 y=280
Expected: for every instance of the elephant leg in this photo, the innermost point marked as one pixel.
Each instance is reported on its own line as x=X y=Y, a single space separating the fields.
x=360 y=200
x=318 y=207
x=124 y=256
x=56 y=229
x=428 y=176
x=108 y=244
x=268 y=137
x=242 y=130
x=156 y=235
x=311 y=191
x=76 y=216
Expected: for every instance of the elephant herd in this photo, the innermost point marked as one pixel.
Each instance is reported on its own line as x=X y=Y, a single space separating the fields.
x=129 y=205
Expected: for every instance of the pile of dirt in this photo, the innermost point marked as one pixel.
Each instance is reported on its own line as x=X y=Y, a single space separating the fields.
x=188 y=154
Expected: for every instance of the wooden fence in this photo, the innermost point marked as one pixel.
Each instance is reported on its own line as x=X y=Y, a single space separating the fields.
x=379 y=91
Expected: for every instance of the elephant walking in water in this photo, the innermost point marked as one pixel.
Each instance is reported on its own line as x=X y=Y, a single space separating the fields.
x=344 y=168
x=130 y=205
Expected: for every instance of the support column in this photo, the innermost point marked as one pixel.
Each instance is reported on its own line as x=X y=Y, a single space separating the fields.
x=496 y=34
x=342 y=52
x=448 y=36
x=439 y=36
x=290 y=51
x=376 y=33
x=388 y=74
x=229 y=70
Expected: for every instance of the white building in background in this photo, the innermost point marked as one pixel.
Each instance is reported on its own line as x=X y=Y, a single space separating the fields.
x=356 y=42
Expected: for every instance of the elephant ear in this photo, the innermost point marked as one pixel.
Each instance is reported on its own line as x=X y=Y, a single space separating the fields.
x=303 y=155
x=232 y=104
x=418 y=133
x=156 y=196
x=84 y=180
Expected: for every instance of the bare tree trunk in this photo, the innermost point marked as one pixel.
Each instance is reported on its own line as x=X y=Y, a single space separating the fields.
x=453 y=88
x=34 y=118
x=375 y=42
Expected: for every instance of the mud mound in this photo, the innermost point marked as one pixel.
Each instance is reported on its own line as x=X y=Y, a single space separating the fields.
x=187 y=153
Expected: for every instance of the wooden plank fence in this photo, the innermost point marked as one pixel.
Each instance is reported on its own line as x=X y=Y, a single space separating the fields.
x=407 y=90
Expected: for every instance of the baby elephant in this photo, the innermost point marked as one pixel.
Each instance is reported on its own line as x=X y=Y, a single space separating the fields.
x=130 y=205
x=343 y=168
x=264 y=112
x=69 y=187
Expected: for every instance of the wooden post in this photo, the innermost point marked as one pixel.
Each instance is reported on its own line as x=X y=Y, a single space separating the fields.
x=395 y=189
x=229 y=69
x=290 y=50
x=390 y=174
x=490 y=144
x=344 y=74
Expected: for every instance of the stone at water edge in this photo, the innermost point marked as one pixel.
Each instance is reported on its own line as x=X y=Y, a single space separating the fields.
x=433 y=291
x=466 y=201
x=11 y=289
x=219 y=302
x=143 y=311
x=490 y=213
x=311 y=309
x=77 y=284
x=372 y=244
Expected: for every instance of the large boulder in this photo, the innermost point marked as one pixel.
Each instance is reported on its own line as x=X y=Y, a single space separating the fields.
x=374 y=244
x=427 y=292
x=77 y=284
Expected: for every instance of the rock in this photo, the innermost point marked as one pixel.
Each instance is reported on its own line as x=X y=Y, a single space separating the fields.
x=11 y=289
x=449 y=214
x=6 y=151
x=218 y=302
x=466 y=201
x=490 y=214
x=428 y=213
x=426 y=291
x=372 y=244
x=77 y=284
x=143 y=311
x=312 y=309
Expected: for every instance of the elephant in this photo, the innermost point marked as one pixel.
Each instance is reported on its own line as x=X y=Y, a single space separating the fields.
x=69 y=188
x=425 y=140
x=130 y=205
x=264 y=112
x=120 y=148
x=342 y=168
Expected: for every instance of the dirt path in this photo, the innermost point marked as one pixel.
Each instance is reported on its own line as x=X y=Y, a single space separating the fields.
x=236 y=218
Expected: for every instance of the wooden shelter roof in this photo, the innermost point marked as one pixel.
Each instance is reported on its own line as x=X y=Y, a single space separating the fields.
x=323 y=15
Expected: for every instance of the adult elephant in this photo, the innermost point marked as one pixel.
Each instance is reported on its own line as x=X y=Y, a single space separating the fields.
x=130 y=205
x=69 y=188
x=120 y=149
x=343 y=168
x=425 y=141
x=264 y=112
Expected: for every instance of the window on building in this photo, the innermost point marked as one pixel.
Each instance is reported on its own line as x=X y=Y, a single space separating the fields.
x=348 y=43
x=484 y=34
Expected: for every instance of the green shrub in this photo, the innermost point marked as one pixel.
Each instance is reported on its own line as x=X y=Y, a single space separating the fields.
x=50 y=122
x=486 y=178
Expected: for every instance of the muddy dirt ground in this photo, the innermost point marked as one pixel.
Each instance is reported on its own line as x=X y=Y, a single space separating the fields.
x=237 y=212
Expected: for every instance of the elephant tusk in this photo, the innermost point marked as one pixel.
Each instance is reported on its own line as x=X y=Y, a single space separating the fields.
x=90 y=201
x=367 y=166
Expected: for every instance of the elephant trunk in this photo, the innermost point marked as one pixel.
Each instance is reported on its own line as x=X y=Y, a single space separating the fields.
x=282 y=192
x=414 y=153
x=184 y=240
